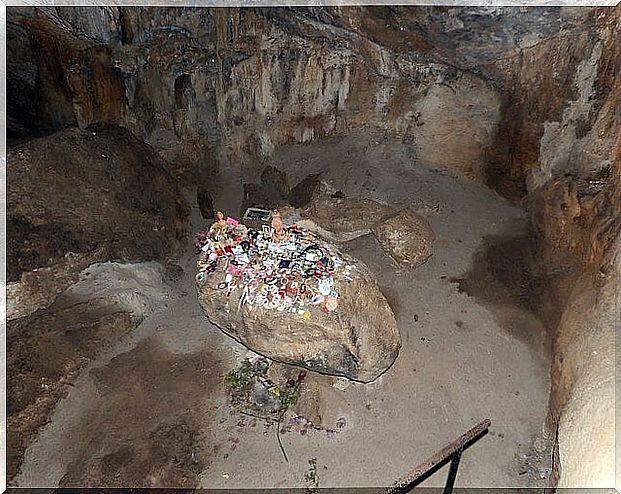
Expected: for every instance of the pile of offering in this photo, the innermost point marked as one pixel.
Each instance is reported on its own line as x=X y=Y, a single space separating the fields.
x=280 y=268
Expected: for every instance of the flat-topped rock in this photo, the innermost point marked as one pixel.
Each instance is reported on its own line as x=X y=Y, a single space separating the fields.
x=346 y=214
x=301 y=302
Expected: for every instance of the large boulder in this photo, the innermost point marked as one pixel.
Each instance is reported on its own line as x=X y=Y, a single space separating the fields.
x=358 y=339
x=406 y=237
x=83 y=190
x=273 y=191
x=403 y=234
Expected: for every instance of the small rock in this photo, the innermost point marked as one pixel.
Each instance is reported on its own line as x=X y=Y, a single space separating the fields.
x=342 y=384
x=406 y=236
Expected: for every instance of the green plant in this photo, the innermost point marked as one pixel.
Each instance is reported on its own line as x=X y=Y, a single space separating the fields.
x=238 y=382
x=239 y=378
x=603 y=172
x=289 y=397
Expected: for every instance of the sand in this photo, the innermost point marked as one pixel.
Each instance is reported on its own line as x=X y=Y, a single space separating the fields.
x=151 y=411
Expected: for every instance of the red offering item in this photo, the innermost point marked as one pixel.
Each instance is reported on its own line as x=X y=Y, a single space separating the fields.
x=228 y=249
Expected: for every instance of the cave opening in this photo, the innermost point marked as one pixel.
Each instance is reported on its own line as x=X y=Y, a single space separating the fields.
x=375 y=222
x=184 y=92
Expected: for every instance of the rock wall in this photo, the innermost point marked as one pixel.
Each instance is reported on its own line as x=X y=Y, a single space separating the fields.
x=225 y=87
x=558 y=146
x=524 y=99
x=553 y=94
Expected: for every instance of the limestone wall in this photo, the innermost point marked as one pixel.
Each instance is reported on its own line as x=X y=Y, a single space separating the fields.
x=526 y=100
x=256 y=80
x=567 y=148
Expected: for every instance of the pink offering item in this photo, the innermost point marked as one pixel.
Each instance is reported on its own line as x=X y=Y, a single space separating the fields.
x=231 y=221
x=234 y=270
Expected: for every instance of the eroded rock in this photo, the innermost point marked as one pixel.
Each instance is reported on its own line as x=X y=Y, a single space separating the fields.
x=359 y=340
x=347 y=214
x=406 y=237
x=83 y=190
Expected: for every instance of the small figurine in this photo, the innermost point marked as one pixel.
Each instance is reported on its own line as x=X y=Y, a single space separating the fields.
x=219 y=227
x=220 y=221
x=280 y=234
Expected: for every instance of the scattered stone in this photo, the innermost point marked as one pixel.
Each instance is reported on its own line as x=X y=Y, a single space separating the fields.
x=306 y=191
x=406 y=236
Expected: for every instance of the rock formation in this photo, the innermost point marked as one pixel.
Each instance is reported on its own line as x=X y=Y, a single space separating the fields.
x=80 y=191
x=346 y=214
x=344 y=327
x=558 y=145
x=406 y=236
x=207 y=89
x=523 y=100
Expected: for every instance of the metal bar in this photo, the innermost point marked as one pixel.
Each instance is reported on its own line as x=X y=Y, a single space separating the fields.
x=437 y=458
x=450 y=480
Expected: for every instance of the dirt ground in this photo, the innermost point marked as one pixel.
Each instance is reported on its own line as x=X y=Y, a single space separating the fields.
x=150 y=410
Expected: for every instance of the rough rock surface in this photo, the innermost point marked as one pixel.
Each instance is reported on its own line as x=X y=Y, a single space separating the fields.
x=84 y=190
x=569 y=152
x=47 y=349
x=548 y=122
x=346 y=214
x=205 y=85
x=405 y=236
x=38 y=288
x=359 y=340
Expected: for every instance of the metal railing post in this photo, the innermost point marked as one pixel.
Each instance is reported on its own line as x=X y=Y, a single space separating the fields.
x=452 y=451
x=450 y=480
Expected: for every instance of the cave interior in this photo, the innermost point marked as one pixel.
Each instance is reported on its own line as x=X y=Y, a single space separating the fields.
x=127 y=127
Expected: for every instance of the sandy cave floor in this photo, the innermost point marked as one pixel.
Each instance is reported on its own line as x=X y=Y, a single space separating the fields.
x=152 y=411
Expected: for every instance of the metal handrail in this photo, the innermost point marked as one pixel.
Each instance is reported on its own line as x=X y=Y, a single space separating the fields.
x=451 y=451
